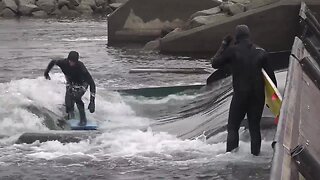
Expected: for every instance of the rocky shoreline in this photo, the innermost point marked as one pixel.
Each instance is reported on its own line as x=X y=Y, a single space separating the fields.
x=57 y=8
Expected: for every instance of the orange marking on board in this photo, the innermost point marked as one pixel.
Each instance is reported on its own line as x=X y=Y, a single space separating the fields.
x=274 y=97
x=276 y=120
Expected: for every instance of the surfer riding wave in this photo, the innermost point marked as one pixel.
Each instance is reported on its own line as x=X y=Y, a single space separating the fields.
x=78 y=79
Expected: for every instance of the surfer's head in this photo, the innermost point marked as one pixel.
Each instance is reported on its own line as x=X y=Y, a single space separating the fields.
x=73 y=57
x=242 y=32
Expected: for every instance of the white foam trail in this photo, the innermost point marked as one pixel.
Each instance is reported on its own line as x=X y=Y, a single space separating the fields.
x=152 y=100
x=103 y=38
x=112 y=112
x=16 y=95
x=158 y=146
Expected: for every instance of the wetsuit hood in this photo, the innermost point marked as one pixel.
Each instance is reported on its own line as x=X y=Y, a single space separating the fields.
x=242 y=32
x=73 y=56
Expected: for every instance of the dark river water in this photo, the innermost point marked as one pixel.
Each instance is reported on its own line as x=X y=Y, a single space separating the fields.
x=122 y=151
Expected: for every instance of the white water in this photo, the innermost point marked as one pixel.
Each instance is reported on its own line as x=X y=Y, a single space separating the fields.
x=123 y=150
x=144 y=145
x=121 y=135
x=16 y=95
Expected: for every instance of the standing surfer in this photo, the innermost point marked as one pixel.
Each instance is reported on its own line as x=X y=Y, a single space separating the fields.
x=78 y=78
x=246 y=61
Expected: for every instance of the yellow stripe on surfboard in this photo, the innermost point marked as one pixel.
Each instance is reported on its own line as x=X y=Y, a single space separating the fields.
x=273 y=97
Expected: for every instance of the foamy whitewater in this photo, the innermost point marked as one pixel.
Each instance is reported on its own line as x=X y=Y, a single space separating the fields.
x=128 y=146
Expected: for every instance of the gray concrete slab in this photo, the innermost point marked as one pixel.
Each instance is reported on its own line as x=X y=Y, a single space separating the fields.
x=157 y=13
x=273 y=27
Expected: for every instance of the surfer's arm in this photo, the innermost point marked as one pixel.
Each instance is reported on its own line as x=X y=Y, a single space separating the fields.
x=49 y=67
x=268 y=68
x=51 y=64
x=90 y=81
x=222 y=59
x=92 y=86
x=219 y=58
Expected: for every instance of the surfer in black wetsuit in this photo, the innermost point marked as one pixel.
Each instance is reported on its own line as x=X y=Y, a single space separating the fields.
x=246 y=61
x=78 y=78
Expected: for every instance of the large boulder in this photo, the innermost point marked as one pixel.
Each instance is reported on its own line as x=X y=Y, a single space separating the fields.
x=152 y=45
x=115 y=6
x=62 y=3
x=104 y=9
x=86 y=6
x=27 y=9
x=241 y=1
x=10 y=4
x=72 y=4
x=56 y=12
x=206 y=12
x=258 y=3
x=135 y=22
x=101 y=2
x=233 y=8
x=47 y=5
x=84 y=9
x=118 y=1
x=202 y=20
x=8 y=13
x=26 y=2
x=91 y=3
x=236 y=9
x=65 y=11
x=40 y=14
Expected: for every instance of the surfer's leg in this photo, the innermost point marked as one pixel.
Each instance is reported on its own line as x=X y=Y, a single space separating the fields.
x=236 y=115
x=82 y=113
x=254 y=118
x=80 y=105
x=69 y=102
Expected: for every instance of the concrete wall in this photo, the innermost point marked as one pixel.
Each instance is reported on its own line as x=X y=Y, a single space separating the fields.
x=297 y=151
x=148 y=10
x=298 y=120
x=273 y=27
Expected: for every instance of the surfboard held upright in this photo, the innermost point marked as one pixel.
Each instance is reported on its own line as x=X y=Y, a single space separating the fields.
x=273 y=98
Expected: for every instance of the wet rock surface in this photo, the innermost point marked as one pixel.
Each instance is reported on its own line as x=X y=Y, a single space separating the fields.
x=57 y=8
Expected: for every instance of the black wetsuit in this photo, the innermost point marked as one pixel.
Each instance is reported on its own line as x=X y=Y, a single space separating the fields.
x=78 y=78
x=246 y=61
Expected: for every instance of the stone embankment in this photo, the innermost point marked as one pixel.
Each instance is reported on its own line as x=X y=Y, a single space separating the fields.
x=57 y=8
x=157 y=19
x=223 y=12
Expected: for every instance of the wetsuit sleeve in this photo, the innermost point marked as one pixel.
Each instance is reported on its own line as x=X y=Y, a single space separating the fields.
x=222 y=57
x=51 y=64
x=90 y=81
x=269 y=70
